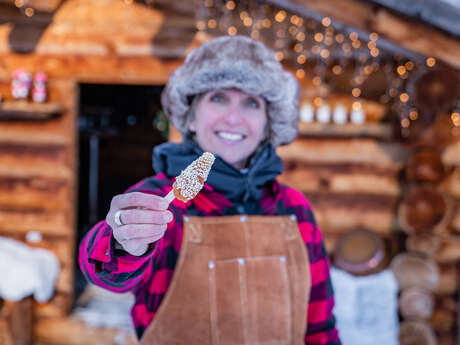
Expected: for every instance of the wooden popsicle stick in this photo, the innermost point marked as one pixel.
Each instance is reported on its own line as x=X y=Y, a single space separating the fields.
x=170 y=196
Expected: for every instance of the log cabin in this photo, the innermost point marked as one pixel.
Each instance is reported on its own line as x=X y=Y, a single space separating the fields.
x=106 y=62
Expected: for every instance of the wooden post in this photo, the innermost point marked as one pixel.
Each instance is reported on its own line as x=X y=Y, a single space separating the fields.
x=16 y=322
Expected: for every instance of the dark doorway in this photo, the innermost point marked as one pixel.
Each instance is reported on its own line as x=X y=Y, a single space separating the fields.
x=118 y=127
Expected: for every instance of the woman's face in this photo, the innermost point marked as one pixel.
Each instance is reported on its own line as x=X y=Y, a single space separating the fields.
x=230 y=123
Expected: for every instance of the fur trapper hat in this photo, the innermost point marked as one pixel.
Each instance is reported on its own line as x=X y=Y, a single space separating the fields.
x=235 y=62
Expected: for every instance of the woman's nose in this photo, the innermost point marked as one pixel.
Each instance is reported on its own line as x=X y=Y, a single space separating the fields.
x=234 y=115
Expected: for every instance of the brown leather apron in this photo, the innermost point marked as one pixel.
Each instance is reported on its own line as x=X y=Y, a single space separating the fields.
x=238 y=280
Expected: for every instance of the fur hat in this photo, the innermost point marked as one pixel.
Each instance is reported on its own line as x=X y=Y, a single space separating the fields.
x=235 y=62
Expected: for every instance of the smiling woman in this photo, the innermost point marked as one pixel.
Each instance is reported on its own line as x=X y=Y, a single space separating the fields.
x=244 y=261
x=230 y=123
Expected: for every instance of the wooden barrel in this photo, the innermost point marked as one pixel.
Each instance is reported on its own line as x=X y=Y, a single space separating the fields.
x=360 y=252
x=411 y=269
x=416 y=333
x=424 y=210
x=416 y=303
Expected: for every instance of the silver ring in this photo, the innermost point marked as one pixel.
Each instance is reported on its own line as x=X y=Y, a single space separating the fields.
x=118 y=218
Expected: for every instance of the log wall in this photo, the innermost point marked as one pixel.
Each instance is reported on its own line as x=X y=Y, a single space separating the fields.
x=38 y=187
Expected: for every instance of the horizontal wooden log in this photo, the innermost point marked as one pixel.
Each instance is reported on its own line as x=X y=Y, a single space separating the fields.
x=16 y=322
x=341 y=178
x=58 y=307
x=348 y=212
x=35 y=192
x=38 y=161
x=341 y=151
x=24 y=220
x=71 y=331
x=94 y=69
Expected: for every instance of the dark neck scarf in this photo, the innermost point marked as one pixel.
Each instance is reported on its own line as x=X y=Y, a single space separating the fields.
x=236 y=185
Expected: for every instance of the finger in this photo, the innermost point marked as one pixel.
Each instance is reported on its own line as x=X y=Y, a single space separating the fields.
x=136 y=216
x=138 y=231
x=138 y=199
x=136 y=248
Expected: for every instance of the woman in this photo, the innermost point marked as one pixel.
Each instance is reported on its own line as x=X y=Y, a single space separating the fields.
x=237 y=250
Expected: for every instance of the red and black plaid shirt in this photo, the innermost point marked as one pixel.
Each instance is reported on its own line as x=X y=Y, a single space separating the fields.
x=149 y=275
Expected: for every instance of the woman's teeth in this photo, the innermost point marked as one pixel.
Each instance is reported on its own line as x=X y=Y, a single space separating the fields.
x=230 y=136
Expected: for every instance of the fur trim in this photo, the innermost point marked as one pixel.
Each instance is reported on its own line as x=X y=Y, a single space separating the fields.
x=236 y=62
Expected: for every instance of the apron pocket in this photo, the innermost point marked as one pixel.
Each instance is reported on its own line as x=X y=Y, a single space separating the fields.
x=250 y=301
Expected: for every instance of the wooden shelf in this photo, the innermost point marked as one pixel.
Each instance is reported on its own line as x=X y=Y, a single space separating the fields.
x=376 y=130
x=26 y=111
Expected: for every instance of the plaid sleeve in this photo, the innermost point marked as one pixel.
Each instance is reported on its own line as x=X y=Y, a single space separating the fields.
x=321 y=328
x=114 y=269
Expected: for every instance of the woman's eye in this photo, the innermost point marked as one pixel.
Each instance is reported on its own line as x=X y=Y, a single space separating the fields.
x=253 y=103
x=217 y=98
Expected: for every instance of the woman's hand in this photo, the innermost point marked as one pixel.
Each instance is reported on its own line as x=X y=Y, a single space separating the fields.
x=138 y=219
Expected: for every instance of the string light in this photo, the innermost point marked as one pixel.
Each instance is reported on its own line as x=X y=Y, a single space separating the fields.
x=280 y=16
x=29 y=11
x=298 y=47
x=374 y=36
x=339 y=38
x=318 y=37
x=409 y=65
x=317 y=101
x=375 y=52
x=316 y=81
x=18 y=3
x=413 y=114
x=455 y=116
x=230 y=5
x=300 y=36
x=212 y=24
x=356 y=92
x=301 y=59
x=326 y=21
x=356 y=105
x=430 y=62
x=405 y=123
x=247 y=21
x=401 y=70
x=279 y=56
x=324 y=53
x=336 y=69
x=266 y=23
x=404 y=97
x=232 y=30
x=356 y=44
x=243 y=14
x=353 y=36
x=300 y=73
